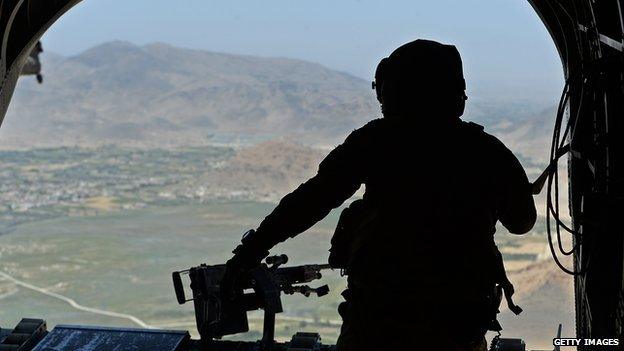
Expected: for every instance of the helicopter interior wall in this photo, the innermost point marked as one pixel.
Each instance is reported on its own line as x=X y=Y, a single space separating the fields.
x=588 y=35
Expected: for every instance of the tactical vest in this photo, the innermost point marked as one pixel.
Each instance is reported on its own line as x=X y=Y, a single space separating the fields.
x=358 y=222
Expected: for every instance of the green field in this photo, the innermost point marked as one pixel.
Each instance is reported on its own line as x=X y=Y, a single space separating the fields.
x=122 y=262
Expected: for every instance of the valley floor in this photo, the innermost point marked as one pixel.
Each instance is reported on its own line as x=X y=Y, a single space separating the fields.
x=114 y=269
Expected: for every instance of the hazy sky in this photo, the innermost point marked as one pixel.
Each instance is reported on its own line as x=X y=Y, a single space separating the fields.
x=507 y=52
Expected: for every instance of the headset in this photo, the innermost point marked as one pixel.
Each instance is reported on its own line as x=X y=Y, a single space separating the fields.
x=388 y=66
x=379 y=77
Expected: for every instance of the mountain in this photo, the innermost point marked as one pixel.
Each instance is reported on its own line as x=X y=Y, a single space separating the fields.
x=157 y=95
x=530 y=137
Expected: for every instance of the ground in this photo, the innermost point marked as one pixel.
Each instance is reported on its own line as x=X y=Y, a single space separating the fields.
x=121 y=262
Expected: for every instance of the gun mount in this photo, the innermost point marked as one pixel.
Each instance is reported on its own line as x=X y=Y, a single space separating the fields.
x=260 y=289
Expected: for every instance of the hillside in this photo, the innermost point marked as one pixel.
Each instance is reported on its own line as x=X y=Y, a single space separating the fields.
x=530 y=137
x=269 y=170
x=547 y=296
x=157 y=95
x=162 y=96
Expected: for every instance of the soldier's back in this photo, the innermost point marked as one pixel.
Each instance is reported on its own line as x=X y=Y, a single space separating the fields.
x=436 y=191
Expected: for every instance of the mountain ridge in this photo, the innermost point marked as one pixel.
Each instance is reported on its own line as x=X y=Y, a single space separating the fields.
x=158 y=95
x=123 y=93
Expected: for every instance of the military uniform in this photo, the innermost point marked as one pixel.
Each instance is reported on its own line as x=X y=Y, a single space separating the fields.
x=439 y=191
x=423 y=273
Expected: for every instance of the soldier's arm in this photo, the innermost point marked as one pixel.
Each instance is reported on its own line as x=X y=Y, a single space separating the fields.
x=516 y=208
x=339 y=176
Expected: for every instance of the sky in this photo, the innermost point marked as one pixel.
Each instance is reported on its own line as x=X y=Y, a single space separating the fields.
x=507 y=52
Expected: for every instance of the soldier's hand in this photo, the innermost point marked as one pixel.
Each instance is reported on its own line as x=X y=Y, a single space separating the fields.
x=234 y=272
x=246 y=257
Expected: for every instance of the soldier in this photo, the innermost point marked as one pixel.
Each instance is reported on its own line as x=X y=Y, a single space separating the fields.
x=421 y=275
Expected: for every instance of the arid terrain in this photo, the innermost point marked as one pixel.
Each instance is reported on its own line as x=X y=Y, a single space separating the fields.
x=130 y=162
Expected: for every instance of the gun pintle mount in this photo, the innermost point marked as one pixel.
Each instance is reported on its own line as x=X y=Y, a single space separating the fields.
x=261 y=289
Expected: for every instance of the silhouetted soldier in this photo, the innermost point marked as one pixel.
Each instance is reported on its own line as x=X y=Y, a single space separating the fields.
x=420 y=273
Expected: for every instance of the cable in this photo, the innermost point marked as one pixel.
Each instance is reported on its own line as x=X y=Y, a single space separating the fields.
x=555 y=211
x=554 y=163
x=558 y=146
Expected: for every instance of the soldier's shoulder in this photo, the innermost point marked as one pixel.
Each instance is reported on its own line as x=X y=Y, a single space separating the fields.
x=478 y=131
x=489 y=141
x=373 y=125
x=368 y=130
x=357 y=145
x=472 y=128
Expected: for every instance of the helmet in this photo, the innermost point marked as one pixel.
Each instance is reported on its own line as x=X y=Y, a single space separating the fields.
x=422 y=67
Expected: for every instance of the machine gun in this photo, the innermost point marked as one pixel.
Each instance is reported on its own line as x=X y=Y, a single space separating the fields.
x=261 y=289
